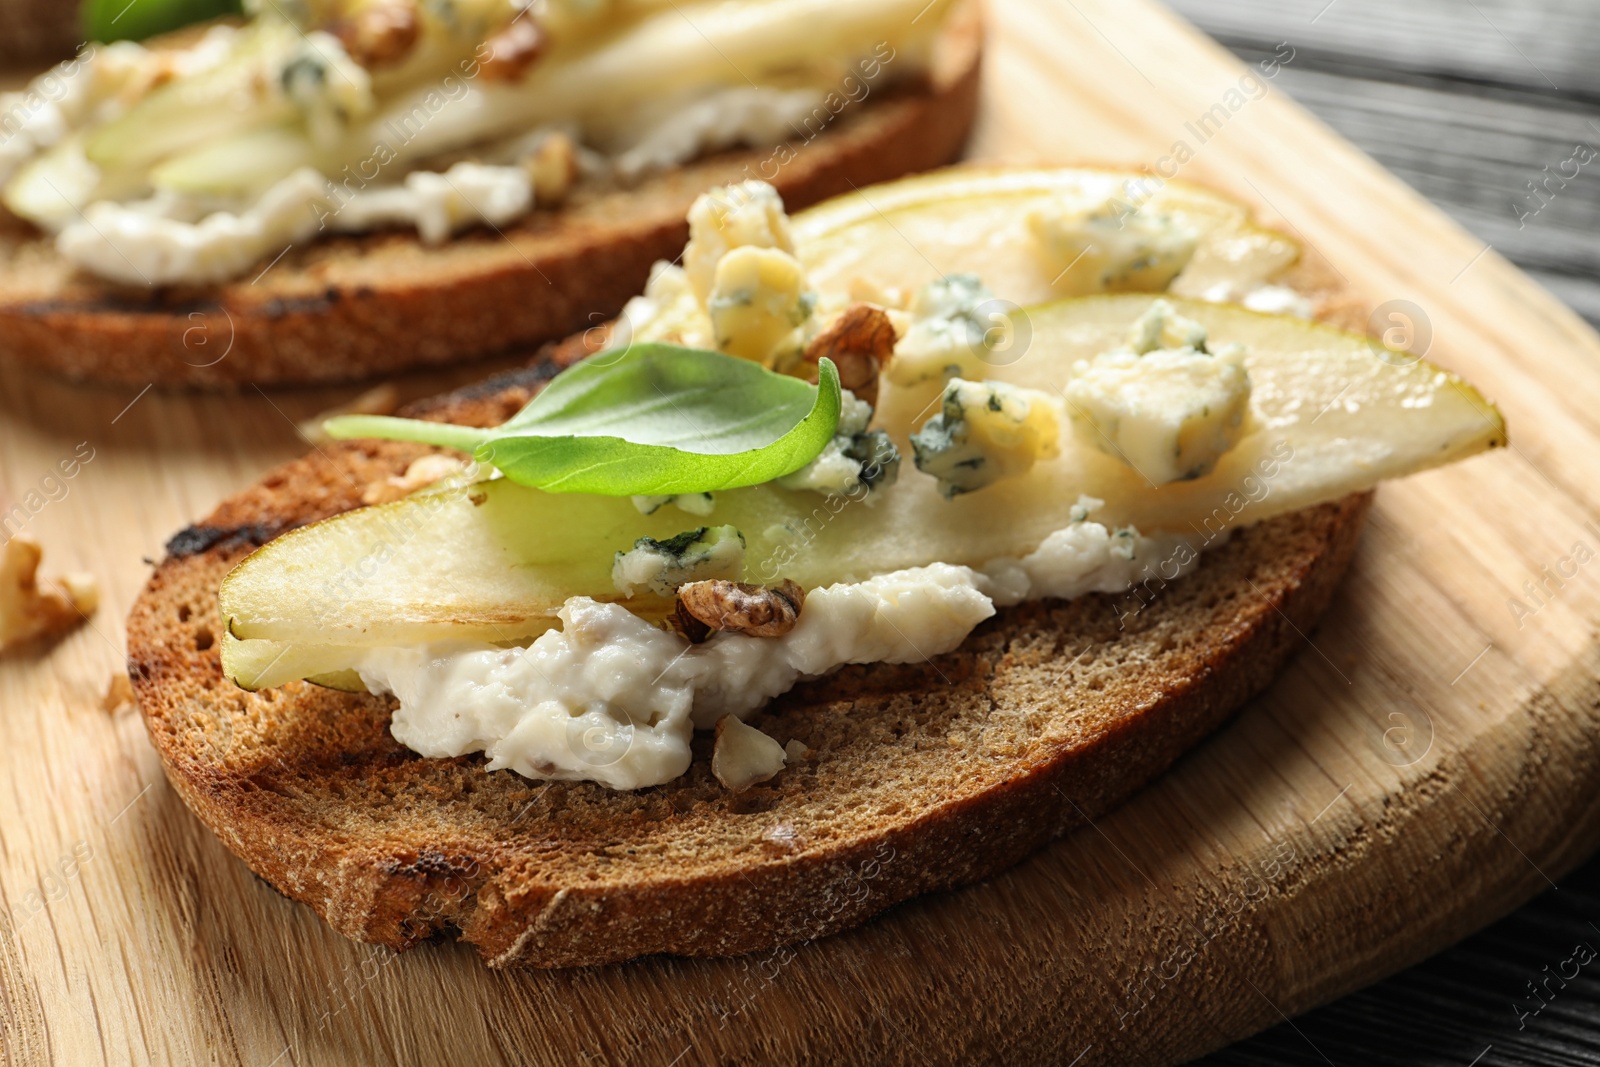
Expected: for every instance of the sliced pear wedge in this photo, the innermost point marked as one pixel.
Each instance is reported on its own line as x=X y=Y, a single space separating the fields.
x=907 y=233
x=264 y=664
x=604 y=82
x=1332 y=413
x=50 y=188
x=213 y=105
x=224 y=167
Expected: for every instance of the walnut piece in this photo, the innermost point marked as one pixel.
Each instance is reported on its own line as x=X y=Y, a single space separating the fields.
x=378 y=34
x=511 y=51
x=423 y=471
x=30 y=611
x=119 y=694
x=687 y=626
x=859 y=342
x=743 y=755
x=552 y=168
x=739 y=608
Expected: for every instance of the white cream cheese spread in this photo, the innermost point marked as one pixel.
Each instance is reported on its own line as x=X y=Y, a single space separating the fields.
x=722 y=118
x=95 y=85
x=169 y=239
x=142 y=243
x=614 y=699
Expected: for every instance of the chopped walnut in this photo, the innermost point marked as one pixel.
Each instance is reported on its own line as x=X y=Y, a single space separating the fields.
x=422 y=472
x=687 y=626
x=381 y=33
x=553 y=168
x=755 y=610
x=512 y=51
x=379 y=400
x=30 y=611
x=859 y=342
x=743 y=755
x=119 y=694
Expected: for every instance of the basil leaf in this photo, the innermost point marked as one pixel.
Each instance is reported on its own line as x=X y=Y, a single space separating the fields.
x=649 y=420
x=118 y=20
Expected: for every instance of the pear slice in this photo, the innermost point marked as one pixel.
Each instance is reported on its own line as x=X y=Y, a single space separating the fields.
x=264 y=664
x=214 y=104
x=1331 y=413
x=906 y=233
x=51 y=188
x=226 y=166
x=657 y=52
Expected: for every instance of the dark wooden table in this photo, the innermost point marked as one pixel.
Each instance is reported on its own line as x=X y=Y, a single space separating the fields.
x=1491 y=108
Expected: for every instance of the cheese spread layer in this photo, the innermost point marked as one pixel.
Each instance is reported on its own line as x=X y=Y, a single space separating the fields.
x=611 y=698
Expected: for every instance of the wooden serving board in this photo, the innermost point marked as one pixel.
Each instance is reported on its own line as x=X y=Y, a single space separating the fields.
x=1428 y=762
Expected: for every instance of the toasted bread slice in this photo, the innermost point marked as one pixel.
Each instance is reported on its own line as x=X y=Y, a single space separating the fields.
x=354 y=307
x=918 y=777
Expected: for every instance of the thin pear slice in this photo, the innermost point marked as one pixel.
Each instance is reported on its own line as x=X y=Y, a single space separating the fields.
x=49 y=189
x=1332 y=413
x=264 y=664
x=225 y=166
x=906 y=233
x=214 y=104
x=600 y=80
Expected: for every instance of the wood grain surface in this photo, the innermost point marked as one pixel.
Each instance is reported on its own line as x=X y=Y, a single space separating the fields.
x=1427 y=763
x=1467 y=101
x=38 y=31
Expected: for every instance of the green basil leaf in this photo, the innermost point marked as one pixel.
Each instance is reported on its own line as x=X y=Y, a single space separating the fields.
x=119 y=20
x=649 y=420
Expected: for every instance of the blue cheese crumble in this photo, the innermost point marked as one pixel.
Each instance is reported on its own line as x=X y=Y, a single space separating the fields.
x=857 y=459
x=955 y=323
x=1166 y=405
x=700 y=504
x=1162 y=327
x=985 y=431
x=1113 y=246
x=741 y=290
x=660 y=567
x=758 y=303
x=747 y=215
